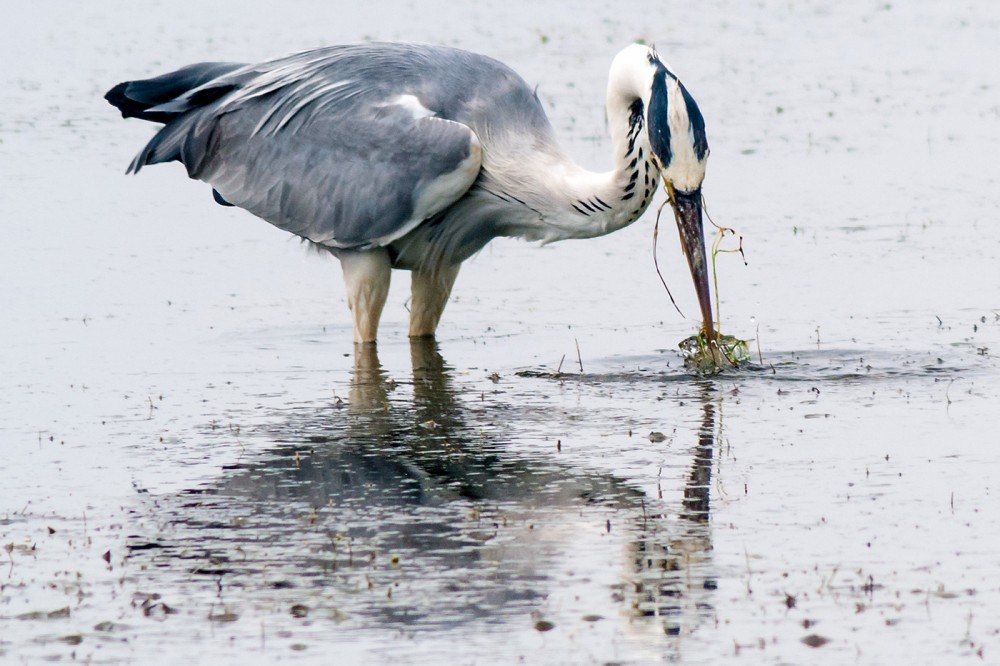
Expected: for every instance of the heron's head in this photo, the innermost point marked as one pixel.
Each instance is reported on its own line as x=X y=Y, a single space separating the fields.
x=676 y=129
x=679 y=146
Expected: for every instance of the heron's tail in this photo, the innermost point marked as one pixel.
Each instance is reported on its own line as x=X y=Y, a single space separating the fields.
x=174 y=99
x=141 y=99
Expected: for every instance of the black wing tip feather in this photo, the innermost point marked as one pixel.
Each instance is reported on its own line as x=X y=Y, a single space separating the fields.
x=135 y=98
x=118 y=98
x=131 y=107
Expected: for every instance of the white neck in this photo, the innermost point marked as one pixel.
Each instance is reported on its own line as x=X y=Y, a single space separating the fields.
x=577 y=203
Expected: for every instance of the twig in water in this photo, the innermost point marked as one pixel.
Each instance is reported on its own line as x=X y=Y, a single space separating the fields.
x=749 y=571
x=578 y=358
x=760 y=357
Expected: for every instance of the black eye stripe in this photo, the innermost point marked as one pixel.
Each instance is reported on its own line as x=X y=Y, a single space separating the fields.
x=697 y=124
x=658 y=126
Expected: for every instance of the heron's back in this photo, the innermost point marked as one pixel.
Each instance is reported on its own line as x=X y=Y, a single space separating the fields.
x=327 y=143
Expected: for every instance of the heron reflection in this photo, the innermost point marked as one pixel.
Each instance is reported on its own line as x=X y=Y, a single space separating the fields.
x=674 y=573
x=416 y=501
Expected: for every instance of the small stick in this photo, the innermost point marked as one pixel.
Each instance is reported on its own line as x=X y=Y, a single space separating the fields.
x=578 y=358
x=760 y=357
x=656 y=263
x=720 y=235
x=559 y=369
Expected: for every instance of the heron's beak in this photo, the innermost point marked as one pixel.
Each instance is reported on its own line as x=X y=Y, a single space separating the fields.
x=687 y=211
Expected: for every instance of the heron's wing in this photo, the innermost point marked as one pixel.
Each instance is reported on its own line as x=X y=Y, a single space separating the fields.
x=322 y=144
x=349 y=182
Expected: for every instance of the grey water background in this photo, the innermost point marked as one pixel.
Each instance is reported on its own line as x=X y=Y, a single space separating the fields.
x=197 y=467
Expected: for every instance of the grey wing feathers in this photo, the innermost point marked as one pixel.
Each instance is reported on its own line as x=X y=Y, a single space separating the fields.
x=345 y=146
x=357 y=184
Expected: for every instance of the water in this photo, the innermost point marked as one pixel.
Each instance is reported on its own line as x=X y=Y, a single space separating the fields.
x=197 y=466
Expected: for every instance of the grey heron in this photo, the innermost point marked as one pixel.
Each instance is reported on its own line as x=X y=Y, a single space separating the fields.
x=414 y=157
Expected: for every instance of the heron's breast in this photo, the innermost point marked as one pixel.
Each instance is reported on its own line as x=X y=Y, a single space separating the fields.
x=451 y=236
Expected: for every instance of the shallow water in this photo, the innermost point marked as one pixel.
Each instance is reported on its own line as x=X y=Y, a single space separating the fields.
x=197 y=466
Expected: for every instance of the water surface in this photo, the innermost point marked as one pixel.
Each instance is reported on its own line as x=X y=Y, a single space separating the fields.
x=198 y=465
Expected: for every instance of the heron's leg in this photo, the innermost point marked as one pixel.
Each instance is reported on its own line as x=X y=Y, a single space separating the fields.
x=430 y=292
x=366 y=275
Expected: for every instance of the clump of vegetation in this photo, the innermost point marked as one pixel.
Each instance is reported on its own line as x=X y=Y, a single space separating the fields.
x=710 y=356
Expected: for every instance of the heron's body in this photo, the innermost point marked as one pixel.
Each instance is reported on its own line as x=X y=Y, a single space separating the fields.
x=410 y=156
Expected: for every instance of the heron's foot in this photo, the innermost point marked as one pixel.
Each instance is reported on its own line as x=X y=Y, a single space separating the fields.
x=366 y=358
x=425 y=357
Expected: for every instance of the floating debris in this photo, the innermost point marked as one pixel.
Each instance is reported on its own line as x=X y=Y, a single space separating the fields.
x=710 y=357
x=225 y=616
x=44 y=615
x=815 y=640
